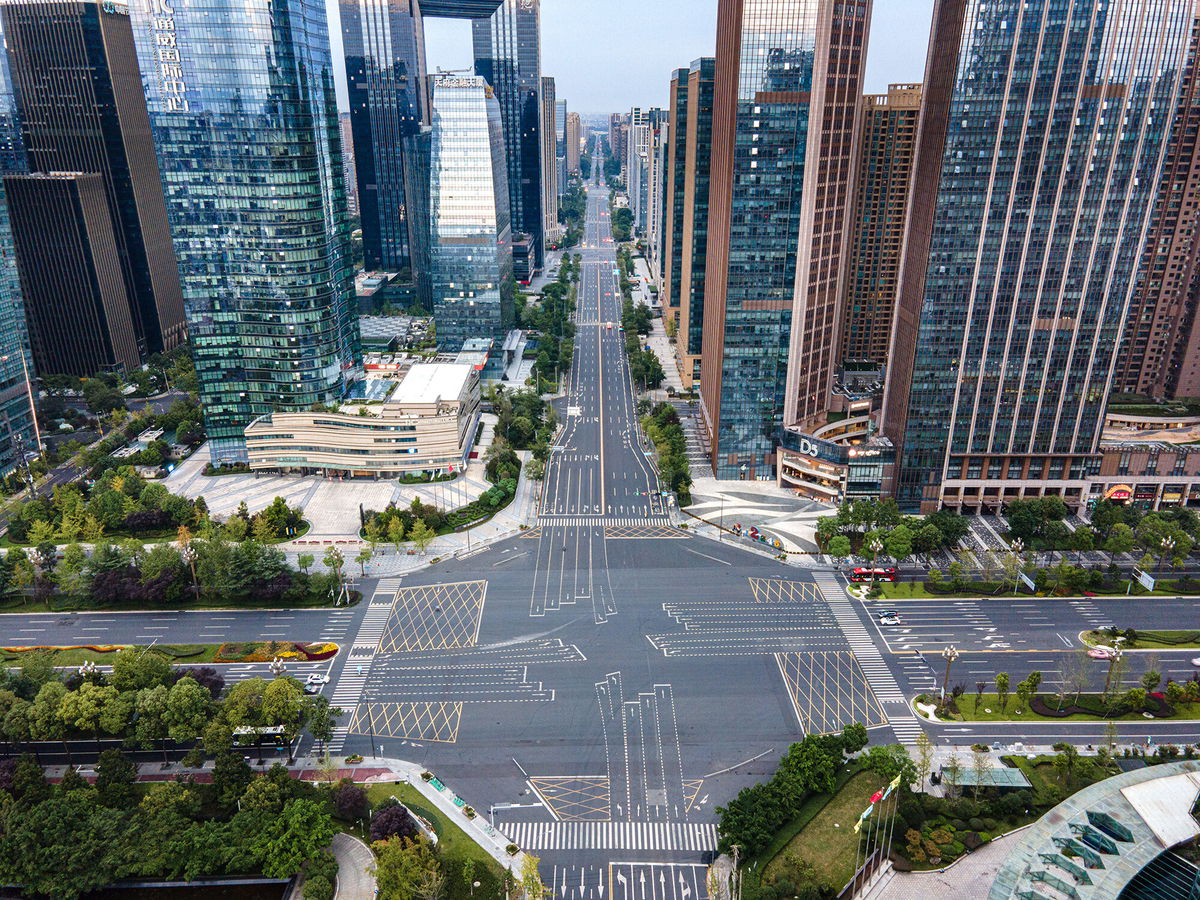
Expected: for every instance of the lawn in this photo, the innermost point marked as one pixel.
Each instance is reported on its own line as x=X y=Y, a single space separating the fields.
x=453 y=843
x=1156 y=640
x=904 y=590
x=966 y=708
x=828 y=849
x=17 y=604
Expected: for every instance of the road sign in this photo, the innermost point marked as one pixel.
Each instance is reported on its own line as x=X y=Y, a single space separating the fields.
x=1145 y=580
x=1027 y=581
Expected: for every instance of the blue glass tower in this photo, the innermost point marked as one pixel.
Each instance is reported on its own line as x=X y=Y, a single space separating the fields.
x=18 y=430
x=245 y=124
x=1043 y=132
x=384 y=43
x=508 y=56
x=472 y=236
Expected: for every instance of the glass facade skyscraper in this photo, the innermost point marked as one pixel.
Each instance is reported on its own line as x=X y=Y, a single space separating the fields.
x=1042 y=138
x=384 y=45
x=18 y=431
x=245 y=123
x=788 y=78
x=508 y=56
x=472 y=236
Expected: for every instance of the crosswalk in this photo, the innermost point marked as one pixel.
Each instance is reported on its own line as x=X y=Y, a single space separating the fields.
x=684 y=836
x=878 y=675
x=644 y=522
x=357 y=668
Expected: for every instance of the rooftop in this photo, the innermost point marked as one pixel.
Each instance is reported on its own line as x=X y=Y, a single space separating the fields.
x=428 y=382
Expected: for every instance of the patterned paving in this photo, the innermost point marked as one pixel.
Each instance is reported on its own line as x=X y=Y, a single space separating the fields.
x=774 y=590
x=829 y=691
x=435 y=617
x=636 y=531
x=532 y=533
x=581 y=798
x=419 y=721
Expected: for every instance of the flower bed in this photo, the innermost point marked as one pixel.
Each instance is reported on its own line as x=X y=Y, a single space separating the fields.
x=265 y=651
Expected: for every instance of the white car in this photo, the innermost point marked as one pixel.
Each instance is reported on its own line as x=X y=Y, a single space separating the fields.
x=317 y=678
x=890 y=620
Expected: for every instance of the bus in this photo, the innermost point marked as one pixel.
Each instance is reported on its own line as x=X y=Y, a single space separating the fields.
x=881 y=574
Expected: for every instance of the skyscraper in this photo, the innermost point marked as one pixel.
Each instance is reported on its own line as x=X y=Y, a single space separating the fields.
x=18 y=426
x=245 y=124
x=1043 y=131
x=82 y=110
x=560 y=149
x=656 y=193
x=573 y=139
x=1160 y=346
x=686 y=244
x=472 y=238
x=508 y=56
x=889 y=139
x=384 y=44
x=788 y=82
x=550 y=226
x=672 y=261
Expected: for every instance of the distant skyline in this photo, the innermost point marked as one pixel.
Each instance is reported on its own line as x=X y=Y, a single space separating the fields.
x=607 y=57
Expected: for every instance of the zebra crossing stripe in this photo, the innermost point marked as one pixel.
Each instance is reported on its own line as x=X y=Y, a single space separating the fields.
x=688 y=836
x=904 y=724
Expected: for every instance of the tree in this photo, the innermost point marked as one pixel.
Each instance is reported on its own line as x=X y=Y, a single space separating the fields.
x=304 y=560
x=980 y=686
x=116 y=775
x=334 y=561
x=530 y=883
x=282 y=703
x=187 y=713
x=1002 y=690
x=350 y=802
x=1024 y=693
x=133 y=671
x=979 y=766
x=401 y=867
x=1076 y=673
x=854 y=737
x=1150 y=680
x=392 y=822
x=421 y=535
x=890 y=761
x=1066 y=761
x=898 y=543
x=67 y=845
x=231 y=775
x=925 y=753
x=365 y=555
x=1120 y=540
x=839 y=546
x=299 y=833
x=320 y=719
x=395 y=532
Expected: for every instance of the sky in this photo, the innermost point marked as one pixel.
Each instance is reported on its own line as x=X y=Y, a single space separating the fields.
x=610 y=55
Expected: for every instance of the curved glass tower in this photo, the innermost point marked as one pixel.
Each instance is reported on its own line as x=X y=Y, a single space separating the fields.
x=245 y=124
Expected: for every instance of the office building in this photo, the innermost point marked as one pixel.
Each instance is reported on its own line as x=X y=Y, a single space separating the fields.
x=1160 y=346
x=472 y=257
x=508 y=56
x=637 y=149
x=685 y=243
x=887 y=144
x=618 y=138
x=673 y=202
x=80 y=321
x=788 y=82
x=82 y=109
x=573 y=139
x=18 y=423
x=424 y=424
x=560 y=146
x=1025 y=232
x=384 y=46
x=550 y=226
x=263 y=243
x=348 y=168
x=656 y=195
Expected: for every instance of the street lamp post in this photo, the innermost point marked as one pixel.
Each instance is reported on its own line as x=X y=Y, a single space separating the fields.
x=1168 y=544
x=950 y=654
x=1017 y=546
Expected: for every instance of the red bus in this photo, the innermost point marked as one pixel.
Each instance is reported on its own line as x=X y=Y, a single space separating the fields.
x=881 y=574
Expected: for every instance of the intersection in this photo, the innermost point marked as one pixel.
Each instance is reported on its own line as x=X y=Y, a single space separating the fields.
x=603 y=681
